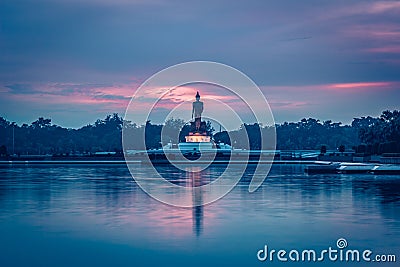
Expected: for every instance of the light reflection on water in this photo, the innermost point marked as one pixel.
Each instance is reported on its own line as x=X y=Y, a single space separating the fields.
x=97 y=216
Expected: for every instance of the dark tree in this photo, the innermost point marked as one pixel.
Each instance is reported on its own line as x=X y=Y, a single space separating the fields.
x=222 y=137
x=367 y=134
x=381 y=135
x=171 y=130
x=41 y=123
x=323 y=150
x=3 y=151
x=184 y=132
x=152 y=135
x=342 y=148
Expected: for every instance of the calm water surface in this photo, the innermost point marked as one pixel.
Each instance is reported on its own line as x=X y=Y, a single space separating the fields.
x=98 y=216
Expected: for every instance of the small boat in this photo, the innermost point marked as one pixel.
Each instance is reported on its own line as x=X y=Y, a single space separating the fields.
x=386 y=169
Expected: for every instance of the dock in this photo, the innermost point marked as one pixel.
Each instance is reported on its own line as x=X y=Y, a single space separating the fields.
x=350 y=167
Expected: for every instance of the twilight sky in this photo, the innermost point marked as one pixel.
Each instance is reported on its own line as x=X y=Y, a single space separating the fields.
x=77 y=60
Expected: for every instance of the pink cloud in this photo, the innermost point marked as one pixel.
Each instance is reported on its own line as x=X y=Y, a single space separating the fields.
x=279 y=104
x=188 y=92
x=112 y=96
x=375 y=38
x=182 y=96
x=374 y=31
x=359 y=85
x=385 y=49
x=366 y=8
x=383 y=6
x=288 y=90
x=285 y=101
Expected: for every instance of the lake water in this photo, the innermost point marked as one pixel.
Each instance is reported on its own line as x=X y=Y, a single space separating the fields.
x=98 y=216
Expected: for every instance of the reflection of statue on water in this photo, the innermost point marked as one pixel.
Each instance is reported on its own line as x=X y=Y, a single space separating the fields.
x=197 y=210
x=198 y=108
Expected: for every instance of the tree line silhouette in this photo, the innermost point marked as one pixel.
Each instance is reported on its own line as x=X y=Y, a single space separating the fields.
x=367 y=135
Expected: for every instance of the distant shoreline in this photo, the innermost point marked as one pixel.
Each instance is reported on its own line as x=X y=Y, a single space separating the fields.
x=312 y=167
x=123 y=162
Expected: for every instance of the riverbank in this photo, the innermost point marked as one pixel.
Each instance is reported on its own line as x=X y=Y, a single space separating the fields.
x=312 y=167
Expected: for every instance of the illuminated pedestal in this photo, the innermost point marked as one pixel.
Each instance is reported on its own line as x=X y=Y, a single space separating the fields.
x=197 y=138
x=196 y=142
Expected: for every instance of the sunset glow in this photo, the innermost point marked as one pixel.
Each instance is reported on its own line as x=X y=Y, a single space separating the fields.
x=306 y=59
x=361 y=85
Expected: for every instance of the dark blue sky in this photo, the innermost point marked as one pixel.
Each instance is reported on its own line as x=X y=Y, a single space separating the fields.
x=75 y=61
